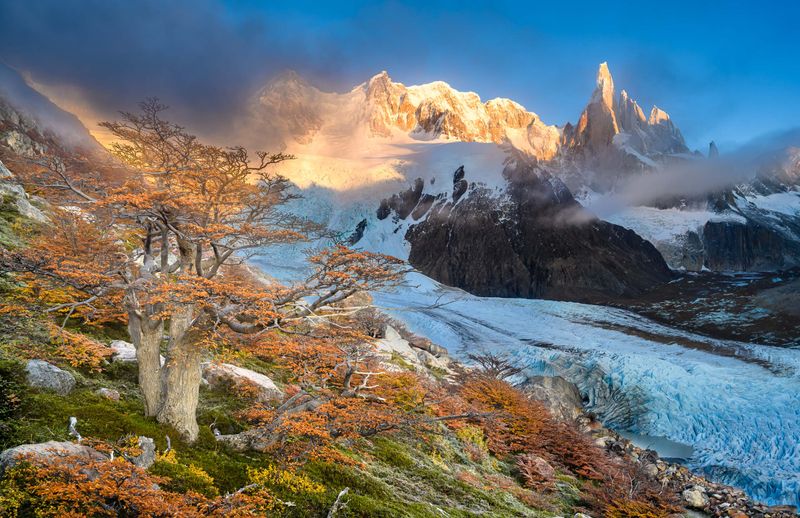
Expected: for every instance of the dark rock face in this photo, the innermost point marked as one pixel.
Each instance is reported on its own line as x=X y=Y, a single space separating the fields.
x=402 y=204
x=750 y=246
x=358 y=233
x=535 y=242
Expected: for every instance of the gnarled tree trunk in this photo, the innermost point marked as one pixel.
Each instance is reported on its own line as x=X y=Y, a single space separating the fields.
x=181 y=376
x=146 y=335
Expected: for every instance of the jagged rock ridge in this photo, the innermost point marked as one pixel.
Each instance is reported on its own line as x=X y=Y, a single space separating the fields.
x=613 y=137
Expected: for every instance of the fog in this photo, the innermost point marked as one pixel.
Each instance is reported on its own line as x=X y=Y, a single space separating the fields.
x=695 y=178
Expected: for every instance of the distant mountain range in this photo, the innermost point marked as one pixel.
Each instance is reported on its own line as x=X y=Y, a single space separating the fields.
x=357 y=149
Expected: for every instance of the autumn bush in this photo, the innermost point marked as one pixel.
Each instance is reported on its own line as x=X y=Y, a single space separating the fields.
x=74 y=487
x=626 y=508
x=535 y=471
x=627 y=491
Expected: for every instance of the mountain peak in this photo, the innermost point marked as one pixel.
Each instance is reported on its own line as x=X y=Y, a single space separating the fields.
x=605 y=117
x=605 y=85
x=657 y=116
x=382 y=76
x=288 y=80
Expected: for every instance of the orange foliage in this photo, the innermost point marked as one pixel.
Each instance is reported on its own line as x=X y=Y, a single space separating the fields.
x=626 y=508
x=517 y=425
x=515 y=421
x=79 y=350
x=74 y=487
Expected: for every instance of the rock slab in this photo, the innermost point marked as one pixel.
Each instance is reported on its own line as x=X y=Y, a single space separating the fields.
x=41 y=374
x=47 y=450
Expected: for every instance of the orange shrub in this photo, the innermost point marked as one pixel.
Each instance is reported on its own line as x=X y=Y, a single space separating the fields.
x=79 y=350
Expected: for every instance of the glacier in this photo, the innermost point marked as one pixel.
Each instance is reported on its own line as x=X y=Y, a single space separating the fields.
x=736 y=404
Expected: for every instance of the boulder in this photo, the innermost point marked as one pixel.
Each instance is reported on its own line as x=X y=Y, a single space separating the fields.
x=148 y=456
x=216 y=373
x=108 y=393
x=695 y=497
x=47 y=450
x=41 y=374
x=125 y=352
x=562 y=398
x=650 y=470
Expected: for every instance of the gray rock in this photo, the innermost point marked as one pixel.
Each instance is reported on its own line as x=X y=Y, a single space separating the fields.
x=560 y=396
x=651 y=470
x=22 y=144
x=581 y=515
x=47 y=450
x=694 y=497
x=148 y=456
x=47 y=376
x=108 y=393
x=5 y=174
x=125 y=352
x=604 y=441
x=216 y=373
x=9 y=187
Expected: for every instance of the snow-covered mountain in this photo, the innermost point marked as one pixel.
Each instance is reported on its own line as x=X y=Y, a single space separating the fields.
x=383 y=109
x=613 y=138
x=379 y=138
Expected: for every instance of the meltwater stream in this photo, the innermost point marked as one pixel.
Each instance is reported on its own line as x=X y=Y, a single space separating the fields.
x=736 y=405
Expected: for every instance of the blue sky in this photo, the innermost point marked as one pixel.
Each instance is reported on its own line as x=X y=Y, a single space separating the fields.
x=723 y=70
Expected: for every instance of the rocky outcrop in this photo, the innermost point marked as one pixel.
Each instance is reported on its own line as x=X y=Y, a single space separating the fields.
x=41 y=374
x=536 y=241
x=30 y=124
x=561 y=397
x=713 y=150
x=13 y=194
x=749 y=246
x=421 y=355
